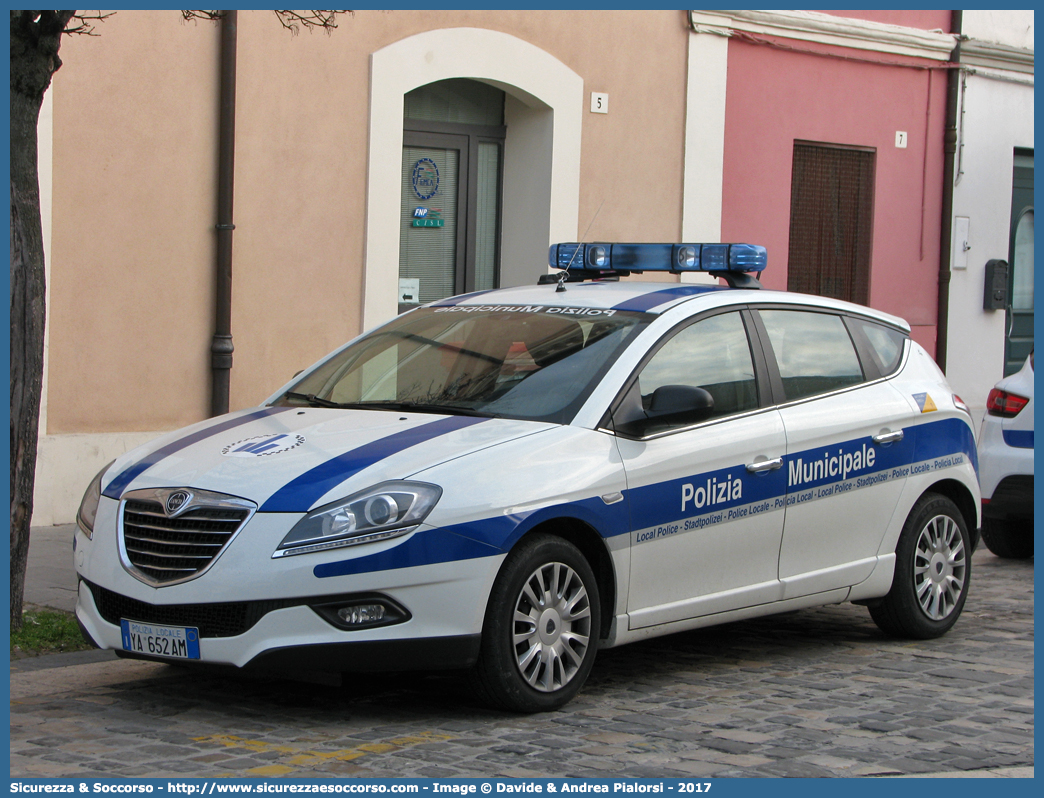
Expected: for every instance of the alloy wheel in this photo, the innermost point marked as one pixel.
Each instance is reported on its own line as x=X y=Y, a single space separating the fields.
x=551 y=627
x=939 y=567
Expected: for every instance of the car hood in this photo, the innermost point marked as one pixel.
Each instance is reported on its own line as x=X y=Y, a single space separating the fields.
x=291 y=459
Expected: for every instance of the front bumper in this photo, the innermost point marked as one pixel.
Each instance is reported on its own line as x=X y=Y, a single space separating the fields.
x=291 y=637
x=251 y=609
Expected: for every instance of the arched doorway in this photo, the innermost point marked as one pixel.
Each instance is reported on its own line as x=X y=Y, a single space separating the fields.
x=543 y=109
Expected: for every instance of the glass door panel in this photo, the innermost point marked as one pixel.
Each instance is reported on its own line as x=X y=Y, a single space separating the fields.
x=486 y=216
x=431 y=224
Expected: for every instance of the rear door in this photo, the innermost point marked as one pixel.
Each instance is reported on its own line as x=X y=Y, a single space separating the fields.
x=846 y=445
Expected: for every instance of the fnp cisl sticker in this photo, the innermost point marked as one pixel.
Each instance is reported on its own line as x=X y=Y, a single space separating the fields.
x=263 y=445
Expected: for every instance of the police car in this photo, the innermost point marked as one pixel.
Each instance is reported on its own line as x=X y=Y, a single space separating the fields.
x=1006 y=457
x=510 y=480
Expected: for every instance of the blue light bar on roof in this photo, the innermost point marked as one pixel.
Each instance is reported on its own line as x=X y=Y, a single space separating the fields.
x=676 y=258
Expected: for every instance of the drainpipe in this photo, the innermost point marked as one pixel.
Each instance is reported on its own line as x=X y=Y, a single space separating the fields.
x=221 y=347
x=953 y=80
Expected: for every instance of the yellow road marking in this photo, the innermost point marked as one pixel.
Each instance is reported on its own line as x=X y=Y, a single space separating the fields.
x=304 y=757
x=271 y=770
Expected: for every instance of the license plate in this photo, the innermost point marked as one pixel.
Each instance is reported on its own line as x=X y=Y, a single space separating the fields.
x=176 y=642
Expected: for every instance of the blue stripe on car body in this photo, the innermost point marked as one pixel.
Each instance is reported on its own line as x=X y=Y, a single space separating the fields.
x=646 y=302
x=948 y=436
x=481 y=538
x=116 y=487
x=431 y=546
x=1018 y=438
x=298 y=495
x=661 y=503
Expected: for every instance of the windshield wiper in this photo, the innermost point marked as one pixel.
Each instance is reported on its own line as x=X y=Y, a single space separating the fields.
x=313 y=400
x=418 y=407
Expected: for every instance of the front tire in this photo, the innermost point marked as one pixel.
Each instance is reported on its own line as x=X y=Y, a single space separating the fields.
x=932 y=572
x=541 y=628
x=1012 y=540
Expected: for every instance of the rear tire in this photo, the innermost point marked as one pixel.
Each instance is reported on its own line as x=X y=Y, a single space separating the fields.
x=541 y=628
x=932 y=572
x=1012 y=540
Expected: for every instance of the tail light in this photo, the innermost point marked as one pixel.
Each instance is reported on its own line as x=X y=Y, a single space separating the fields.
x=1004 y=404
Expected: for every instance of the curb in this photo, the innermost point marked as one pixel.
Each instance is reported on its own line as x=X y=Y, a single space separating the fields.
x=49 y=661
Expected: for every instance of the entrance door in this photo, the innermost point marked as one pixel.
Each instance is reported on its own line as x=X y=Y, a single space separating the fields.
x=433 y=218
x=449 y=235
x=1019 y=341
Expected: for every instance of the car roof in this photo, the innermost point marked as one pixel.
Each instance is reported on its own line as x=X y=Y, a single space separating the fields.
x=651 y=297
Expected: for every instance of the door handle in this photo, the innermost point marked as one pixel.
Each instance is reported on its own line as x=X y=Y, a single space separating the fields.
x=761 y=466
x=889 y=437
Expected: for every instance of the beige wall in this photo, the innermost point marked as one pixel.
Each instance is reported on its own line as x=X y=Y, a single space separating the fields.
x=132 y=210
x=134 y=162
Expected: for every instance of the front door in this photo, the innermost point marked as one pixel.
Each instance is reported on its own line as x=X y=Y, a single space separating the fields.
x=706 y=500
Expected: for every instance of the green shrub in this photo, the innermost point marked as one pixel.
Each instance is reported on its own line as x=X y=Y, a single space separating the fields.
x=47 y=632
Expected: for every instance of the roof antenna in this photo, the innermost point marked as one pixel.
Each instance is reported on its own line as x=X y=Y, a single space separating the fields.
x=565 y=272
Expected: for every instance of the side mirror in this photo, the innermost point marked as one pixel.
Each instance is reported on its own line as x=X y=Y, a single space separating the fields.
x=671 y=405
x=680 y=400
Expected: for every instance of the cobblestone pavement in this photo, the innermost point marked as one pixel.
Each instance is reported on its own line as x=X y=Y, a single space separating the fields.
x=810 y=693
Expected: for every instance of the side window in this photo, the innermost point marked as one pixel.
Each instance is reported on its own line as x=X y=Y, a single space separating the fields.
x=813 y=351
x=886 y=344
x=712 y=354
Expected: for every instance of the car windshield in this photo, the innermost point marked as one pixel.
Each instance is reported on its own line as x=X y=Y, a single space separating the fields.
x=528 y=362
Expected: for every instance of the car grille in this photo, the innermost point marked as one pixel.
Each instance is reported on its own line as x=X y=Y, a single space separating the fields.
x=160 y=549
x=226 y=619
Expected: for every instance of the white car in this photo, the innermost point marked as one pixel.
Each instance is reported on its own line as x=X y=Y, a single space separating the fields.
x=1006 y=466
x=510 y=480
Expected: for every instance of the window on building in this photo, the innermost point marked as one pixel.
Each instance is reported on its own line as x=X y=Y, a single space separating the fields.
x=831 y=221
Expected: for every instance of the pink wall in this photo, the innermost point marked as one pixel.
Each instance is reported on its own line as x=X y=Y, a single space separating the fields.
x=925 y=20
x=777 y=96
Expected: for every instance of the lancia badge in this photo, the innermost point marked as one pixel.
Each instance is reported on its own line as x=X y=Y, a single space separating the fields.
x=176 y=501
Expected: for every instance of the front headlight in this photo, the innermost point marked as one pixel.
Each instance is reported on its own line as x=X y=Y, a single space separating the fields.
x=378 y=513
x=89 y=504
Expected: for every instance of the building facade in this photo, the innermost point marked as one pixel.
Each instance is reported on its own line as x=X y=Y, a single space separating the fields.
x=832 y=154
x=411 y=155
x=992 y=201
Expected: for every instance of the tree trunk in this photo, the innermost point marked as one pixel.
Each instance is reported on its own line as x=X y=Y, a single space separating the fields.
x=35 y=38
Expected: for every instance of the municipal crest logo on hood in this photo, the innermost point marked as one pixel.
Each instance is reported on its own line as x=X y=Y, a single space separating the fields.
x=263 y=445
